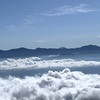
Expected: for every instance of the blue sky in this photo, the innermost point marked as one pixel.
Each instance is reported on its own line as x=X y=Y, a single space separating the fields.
x=49 y=23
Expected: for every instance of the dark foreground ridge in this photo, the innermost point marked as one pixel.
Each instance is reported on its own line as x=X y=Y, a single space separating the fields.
x=24 y=52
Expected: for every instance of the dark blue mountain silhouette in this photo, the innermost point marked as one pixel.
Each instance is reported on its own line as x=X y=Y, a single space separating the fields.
x=24 y=52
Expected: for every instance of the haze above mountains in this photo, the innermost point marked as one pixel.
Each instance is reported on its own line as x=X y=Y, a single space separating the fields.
x=24 y=52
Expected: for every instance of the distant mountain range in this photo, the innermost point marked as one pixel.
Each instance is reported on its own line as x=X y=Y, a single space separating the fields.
x=24 y=52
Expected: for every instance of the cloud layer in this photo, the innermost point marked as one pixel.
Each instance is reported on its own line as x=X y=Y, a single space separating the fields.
x=70 y=10
x=35 y=62
x=64 y=85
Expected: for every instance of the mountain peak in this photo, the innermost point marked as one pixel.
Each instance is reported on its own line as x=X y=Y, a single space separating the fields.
x=90 y=46
x=62 y=47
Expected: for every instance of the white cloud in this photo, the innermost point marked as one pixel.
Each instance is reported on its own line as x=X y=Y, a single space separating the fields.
x=35 y=62
x=63 y=85
x=64 y=10
x=41 y=42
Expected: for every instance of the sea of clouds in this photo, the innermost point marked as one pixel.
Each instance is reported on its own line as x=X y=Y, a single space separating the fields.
x=36 y=62
x=63 y=85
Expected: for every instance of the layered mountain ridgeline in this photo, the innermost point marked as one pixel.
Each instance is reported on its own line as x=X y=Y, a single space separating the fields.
x=24 y=52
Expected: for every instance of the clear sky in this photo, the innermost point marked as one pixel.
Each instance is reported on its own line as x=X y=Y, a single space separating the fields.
x=49 y=23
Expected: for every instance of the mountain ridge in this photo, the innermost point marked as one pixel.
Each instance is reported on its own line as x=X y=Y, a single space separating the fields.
x=25 y=52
